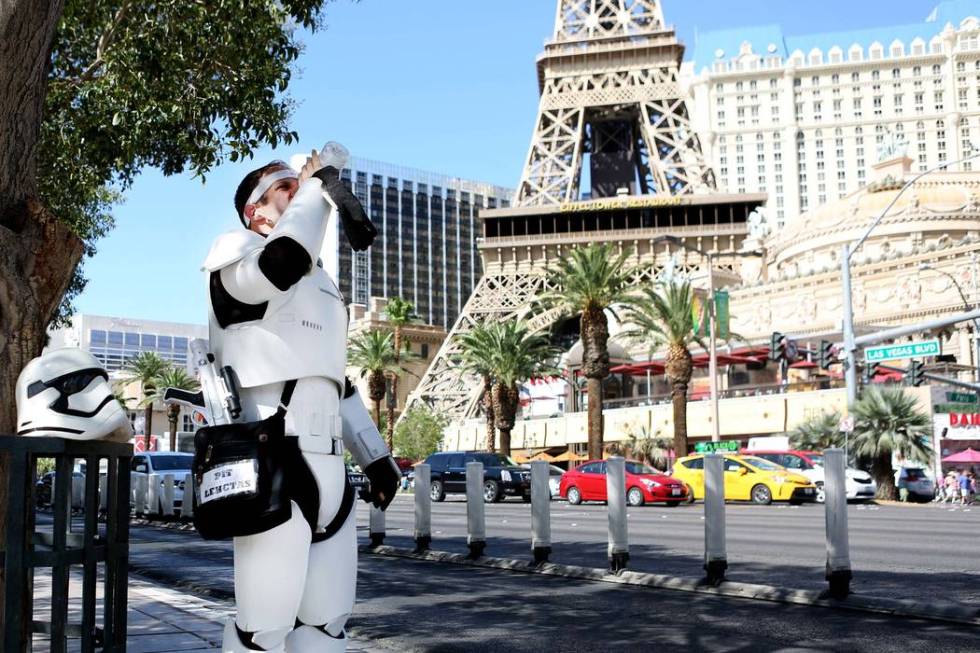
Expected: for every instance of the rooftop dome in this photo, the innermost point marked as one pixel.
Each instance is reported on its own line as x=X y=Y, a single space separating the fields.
x=943 y=206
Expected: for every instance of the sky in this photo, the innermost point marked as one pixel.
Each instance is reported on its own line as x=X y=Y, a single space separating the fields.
x=447 y=86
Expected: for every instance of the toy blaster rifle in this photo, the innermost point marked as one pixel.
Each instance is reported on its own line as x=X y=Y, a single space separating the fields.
x=218 y=396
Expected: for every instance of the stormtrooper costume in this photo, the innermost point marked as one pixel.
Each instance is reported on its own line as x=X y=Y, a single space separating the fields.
x=65 y=393
x=276 y=315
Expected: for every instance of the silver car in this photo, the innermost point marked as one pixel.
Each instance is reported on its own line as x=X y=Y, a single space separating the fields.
x=159 y=464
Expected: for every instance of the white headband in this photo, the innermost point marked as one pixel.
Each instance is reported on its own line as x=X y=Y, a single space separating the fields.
x=266 y=182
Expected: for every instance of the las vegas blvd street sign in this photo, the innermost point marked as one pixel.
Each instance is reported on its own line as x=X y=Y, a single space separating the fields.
x=899 y=352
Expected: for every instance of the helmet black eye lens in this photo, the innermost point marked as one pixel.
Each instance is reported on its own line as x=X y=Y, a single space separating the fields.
x=76 y=381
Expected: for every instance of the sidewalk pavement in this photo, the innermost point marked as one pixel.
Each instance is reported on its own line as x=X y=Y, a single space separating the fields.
x=162 y=619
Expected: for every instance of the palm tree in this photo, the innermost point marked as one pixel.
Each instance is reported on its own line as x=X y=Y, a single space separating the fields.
x=587 y=282
x=400 y=312
x=663 y=315
x=888 y=421
x=475 y=357
x=818 y=432
x=518 y=355
x=144 y=368
x=179 y=379
x=374 y=353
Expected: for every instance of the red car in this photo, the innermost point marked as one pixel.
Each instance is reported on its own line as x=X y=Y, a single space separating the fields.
x=644 y=484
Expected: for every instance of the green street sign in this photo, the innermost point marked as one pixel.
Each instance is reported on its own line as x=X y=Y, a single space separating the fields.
x=899 y=352
x=709 y=447
x=961 y=397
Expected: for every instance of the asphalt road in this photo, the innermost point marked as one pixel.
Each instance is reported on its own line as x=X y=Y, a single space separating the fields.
x=919 y=551
x=409 y=605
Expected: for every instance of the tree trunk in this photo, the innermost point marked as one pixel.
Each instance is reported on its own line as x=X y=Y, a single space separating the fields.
x=148 y=420
x=488 y=412
x=390 y=409
x=38 y=254
x=595 y=367
x=505 y=441
x=377 y=413
x=595 y=418
x=173 y=414
x=678 y=396
x=884 y=476
x=505 y=400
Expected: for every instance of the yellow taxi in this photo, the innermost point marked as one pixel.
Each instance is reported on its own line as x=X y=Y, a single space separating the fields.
x=747 y=478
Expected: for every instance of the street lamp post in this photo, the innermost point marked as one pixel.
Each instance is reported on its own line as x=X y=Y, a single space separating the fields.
x=847 y=251
x=966 y=303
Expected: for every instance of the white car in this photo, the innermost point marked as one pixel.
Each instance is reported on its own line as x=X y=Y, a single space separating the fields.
x=860 y=486
x=917 y=480
x=157 y=464
x=554 y=478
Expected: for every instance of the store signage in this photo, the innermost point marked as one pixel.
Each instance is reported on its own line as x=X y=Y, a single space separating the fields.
x=903 y=351
x=957 y=426
x=709 y=447
x=964 y=419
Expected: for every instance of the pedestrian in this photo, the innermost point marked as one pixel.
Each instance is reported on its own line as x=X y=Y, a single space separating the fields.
x=963 y=486
x=951 y=485
x=972 y=487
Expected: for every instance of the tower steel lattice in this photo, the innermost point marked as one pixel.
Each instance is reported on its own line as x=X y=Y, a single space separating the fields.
x=610 y=96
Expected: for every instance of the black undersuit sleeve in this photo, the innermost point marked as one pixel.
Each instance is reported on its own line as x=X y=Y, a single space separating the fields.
x=284 y=262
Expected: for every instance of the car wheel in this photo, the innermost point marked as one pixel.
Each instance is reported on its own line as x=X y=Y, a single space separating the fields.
x=690 y=495
x=673 y=504
x=574 y=496
x=821 y=496
x=761 y=495
x=635 y=497
x=491 y=491
x=436 y=493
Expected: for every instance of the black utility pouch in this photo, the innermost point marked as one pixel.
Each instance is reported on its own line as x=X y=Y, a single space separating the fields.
x=240 y=474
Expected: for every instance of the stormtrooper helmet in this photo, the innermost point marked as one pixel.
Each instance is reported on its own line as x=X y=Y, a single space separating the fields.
x=65 y=393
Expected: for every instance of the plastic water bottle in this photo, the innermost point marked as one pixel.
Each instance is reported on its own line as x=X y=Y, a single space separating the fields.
x=334 y=154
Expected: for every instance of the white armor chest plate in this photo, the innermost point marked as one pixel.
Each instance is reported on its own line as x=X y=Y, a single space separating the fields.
x=303 y=333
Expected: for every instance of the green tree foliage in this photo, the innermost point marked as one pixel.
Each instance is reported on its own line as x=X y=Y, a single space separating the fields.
x=400 y=312
x=373 y=353
x=818 y=432
x=419 y=433
x=517 y=355
x=177 y=378
x=888 y=422
x=661 y=315
x=476 y=357
x=145 y=368
x=588 y=282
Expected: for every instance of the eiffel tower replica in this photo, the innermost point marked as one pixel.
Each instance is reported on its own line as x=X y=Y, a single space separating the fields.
x=611 y=100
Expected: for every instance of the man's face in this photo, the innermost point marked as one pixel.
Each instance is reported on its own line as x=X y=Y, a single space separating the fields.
x=265 y=213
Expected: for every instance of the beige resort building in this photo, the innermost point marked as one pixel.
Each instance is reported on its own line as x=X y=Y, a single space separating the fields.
x=903 y=274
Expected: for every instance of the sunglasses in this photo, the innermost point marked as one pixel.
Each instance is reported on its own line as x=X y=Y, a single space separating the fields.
x=69 y=384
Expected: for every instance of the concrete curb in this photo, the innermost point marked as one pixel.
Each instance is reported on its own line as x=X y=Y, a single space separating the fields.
x=948 y=612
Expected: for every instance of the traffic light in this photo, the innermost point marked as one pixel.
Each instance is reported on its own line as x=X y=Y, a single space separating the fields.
x=777 y=346
x=825 y=357
x=870 y=371
x=914 y=375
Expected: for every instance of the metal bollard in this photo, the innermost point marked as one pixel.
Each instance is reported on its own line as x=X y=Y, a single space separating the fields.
x=619 y=548
x=476 y=516
x=715 y=554
x=540 y=512
x=187 y=500
x=152 y=494
x=139 y=495
x=77 y=492
x=423 y=508
x=835 y=506
x=167 y=501
x=376 y=525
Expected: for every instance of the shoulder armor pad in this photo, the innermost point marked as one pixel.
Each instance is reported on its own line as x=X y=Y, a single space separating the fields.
x=231 y=246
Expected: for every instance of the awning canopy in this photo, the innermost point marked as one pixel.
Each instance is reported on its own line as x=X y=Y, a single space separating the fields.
x=738 y=356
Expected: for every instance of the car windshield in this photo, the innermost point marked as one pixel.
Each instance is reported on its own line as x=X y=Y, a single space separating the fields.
x=640 y=468
x=495 y=460
x=816 y=458
x=763 y=464
x=172 y=461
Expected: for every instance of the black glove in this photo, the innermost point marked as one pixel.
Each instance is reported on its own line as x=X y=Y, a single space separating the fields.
x=384 y=475
x=360 y=232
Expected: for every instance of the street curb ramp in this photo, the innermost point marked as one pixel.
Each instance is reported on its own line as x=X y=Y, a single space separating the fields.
x=938 y=611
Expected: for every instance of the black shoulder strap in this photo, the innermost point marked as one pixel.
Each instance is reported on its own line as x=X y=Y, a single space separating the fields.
x=287 y=394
